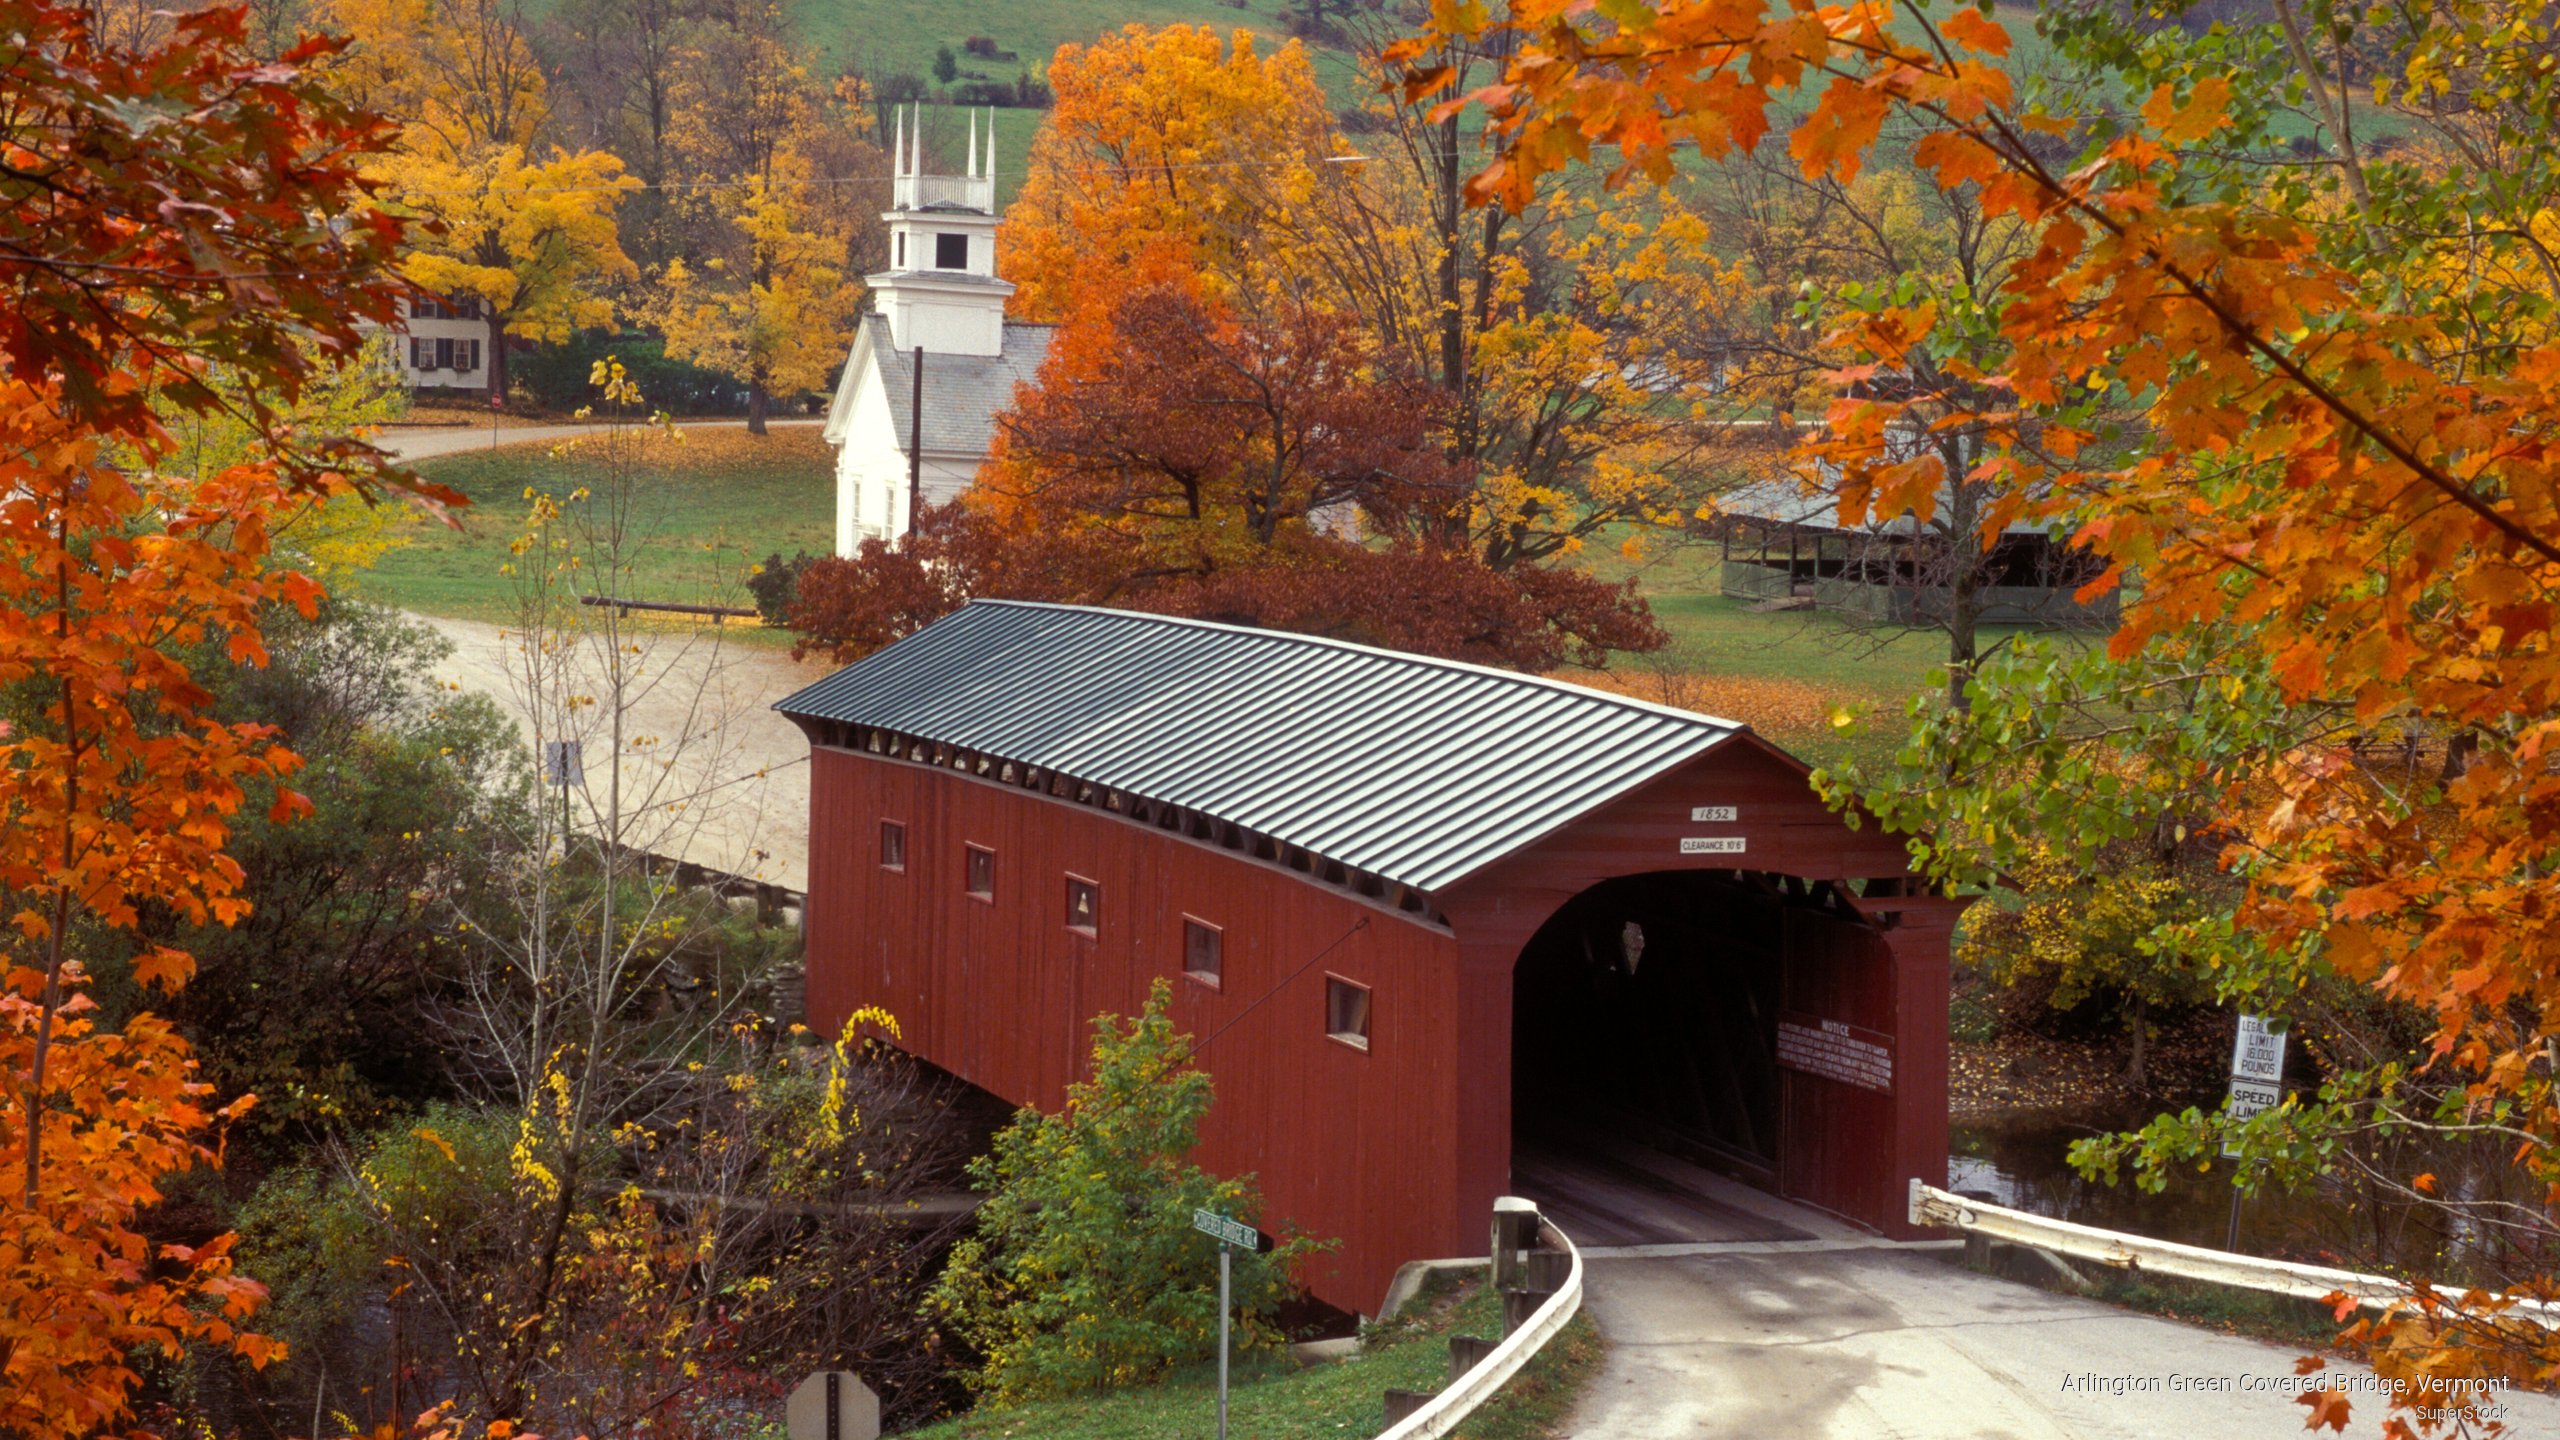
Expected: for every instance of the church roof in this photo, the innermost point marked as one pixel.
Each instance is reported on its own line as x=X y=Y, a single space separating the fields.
x=963 y=394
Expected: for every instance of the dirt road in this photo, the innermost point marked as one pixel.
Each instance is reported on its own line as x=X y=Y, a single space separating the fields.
x=711 y=773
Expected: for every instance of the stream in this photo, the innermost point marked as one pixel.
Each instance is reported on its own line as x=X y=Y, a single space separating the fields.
x=2020 y=1162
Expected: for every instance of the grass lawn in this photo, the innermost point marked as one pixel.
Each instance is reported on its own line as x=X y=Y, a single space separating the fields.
x=1272 y=1399
x=709 y=506
x=721 y=501
x=1783 y=674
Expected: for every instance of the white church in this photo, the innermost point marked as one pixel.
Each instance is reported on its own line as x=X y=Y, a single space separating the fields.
x=939 y=307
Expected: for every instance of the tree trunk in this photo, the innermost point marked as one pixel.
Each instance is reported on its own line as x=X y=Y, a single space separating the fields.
x=2135 y=1064
x=1964 y=618
x=497 y=360
x=756 y=405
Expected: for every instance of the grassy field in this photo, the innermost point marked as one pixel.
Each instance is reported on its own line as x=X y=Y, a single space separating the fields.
x=1784 y=674
x=722 y=500
x=707 y=508
x=1274 y=1400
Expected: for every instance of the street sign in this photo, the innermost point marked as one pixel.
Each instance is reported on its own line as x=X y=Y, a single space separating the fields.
x=1232 y=1232
x=561 y=765
x=2248 y=1097
x=833 y=1405
x=2257 y=1053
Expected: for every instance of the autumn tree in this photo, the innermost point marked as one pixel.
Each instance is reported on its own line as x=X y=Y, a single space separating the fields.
x=1166 y=141
x=1576 y=346
x=619 y=64
x=2341 y=471
x=119 y=784
x=774 y=307
x=1248 y=461
x=523 y=226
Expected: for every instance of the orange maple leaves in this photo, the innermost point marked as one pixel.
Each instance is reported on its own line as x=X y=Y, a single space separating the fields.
x=116 y=783
x=2370 y=491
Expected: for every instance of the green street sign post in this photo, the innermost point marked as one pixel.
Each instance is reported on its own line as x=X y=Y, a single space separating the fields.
x=1229 y=1235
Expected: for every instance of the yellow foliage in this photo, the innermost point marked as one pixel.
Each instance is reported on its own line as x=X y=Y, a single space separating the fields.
x=531 y=238
x=526 y=227
x=774 y=311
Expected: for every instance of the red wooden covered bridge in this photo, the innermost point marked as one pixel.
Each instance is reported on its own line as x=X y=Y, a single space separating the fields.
x=1417 y=909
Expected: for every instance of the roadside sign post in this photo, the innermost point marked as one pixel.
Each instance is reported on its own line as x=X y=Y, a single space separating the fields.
x=1226 y=1276
x=562 y=765
x=832 y=1405
x=2257 y=1083
x=1229 y=1234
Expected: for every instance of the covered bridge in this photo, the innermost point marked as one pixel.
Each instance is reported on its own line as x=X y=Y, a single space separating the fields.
x=1416 y=910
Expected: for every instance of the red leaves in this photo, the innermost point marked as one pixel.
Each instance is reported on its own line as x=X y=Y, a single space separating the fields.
x=1834 y=139
x=1209 y=460
x=2328 y=1408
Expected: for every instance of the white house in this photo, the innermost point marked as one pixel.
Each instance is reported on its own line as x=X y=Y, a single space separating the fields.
x=939 y=305
x=442 y=344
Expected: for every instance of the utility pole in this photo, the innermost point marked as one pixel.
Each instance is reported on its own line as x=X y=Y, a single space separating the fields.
x=915 y=445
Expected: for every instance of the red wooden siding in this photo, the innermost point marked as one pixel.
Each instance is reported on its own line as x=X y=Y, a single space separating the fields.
x=1843 y=1148
x=1397 y=1152
x=1347 y=1144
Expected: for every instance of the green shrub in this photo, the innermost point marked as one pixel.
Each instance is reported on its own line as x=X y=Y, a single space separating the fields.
x=1085 y=1272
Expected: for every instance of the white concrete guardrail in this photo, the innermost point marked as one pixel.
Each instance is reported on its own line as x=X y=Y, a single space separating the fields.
x=1933 y=1206
x=1460 y=1398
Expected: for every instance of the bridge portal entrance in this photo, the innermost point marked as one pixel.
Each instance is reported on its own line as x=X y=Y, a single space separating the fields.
x=1687 y=1043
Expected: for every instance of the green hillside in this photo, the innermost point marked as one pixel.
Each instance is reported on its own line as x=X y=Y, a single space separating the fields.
x=887 y=36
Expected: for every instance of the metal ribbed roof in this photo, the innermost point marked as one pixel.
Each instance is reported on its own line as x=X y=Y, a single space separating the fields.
x=1419 y=771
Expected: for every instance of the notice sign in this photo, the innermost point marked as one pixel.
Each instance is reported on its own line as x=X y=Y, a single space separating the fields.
x=1710 y=814
x=1836 y=1051
x=2248 y=1097
x=1710 y=844
x=2258 y=1052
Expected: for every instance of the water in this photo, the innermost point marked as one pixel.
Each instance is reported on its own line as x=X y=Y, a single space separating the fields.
x=2354 y=1223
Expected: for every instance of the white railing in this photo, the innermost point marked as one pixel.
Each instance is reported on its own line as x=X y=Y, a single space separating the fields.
x=1459 y=1399
x=1933 y=1206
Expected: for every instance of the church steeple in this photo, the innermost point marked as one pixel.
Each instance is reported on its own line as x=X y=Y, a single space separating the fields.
x=941 y=291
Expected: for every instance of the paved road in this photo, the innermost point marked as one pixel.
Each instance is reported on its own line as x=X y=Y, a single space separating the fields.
x=713 y=775
x=426 y=444
x=725 y=780
x=1816 y=1339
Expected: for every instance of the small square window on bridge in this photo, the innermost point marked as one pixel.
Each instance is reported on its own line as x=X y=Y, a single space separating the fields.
x=893 y=845
x=980 y=874
x=1204 y=952
x=1084 y=905
x=1346 y=1012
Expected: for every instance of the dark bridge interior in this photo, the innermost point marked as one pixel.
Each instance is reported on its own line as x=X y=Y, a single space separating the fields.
x=1643 y=1060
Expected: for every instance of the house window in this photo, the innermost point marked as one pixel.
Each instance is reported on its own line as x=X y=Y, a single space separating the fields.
x=1204 y=952
x=893 y=845
x=950 y=252
x=981 y=872
x=444 y=352
x=1084 y=904
x=422 y=355
x=466 y=355
x=426 y=309
x=1346 y=1012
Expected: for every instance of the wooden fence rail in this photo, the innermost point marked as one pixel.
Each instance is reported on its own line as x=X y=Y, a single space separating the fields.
x=719 y=614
